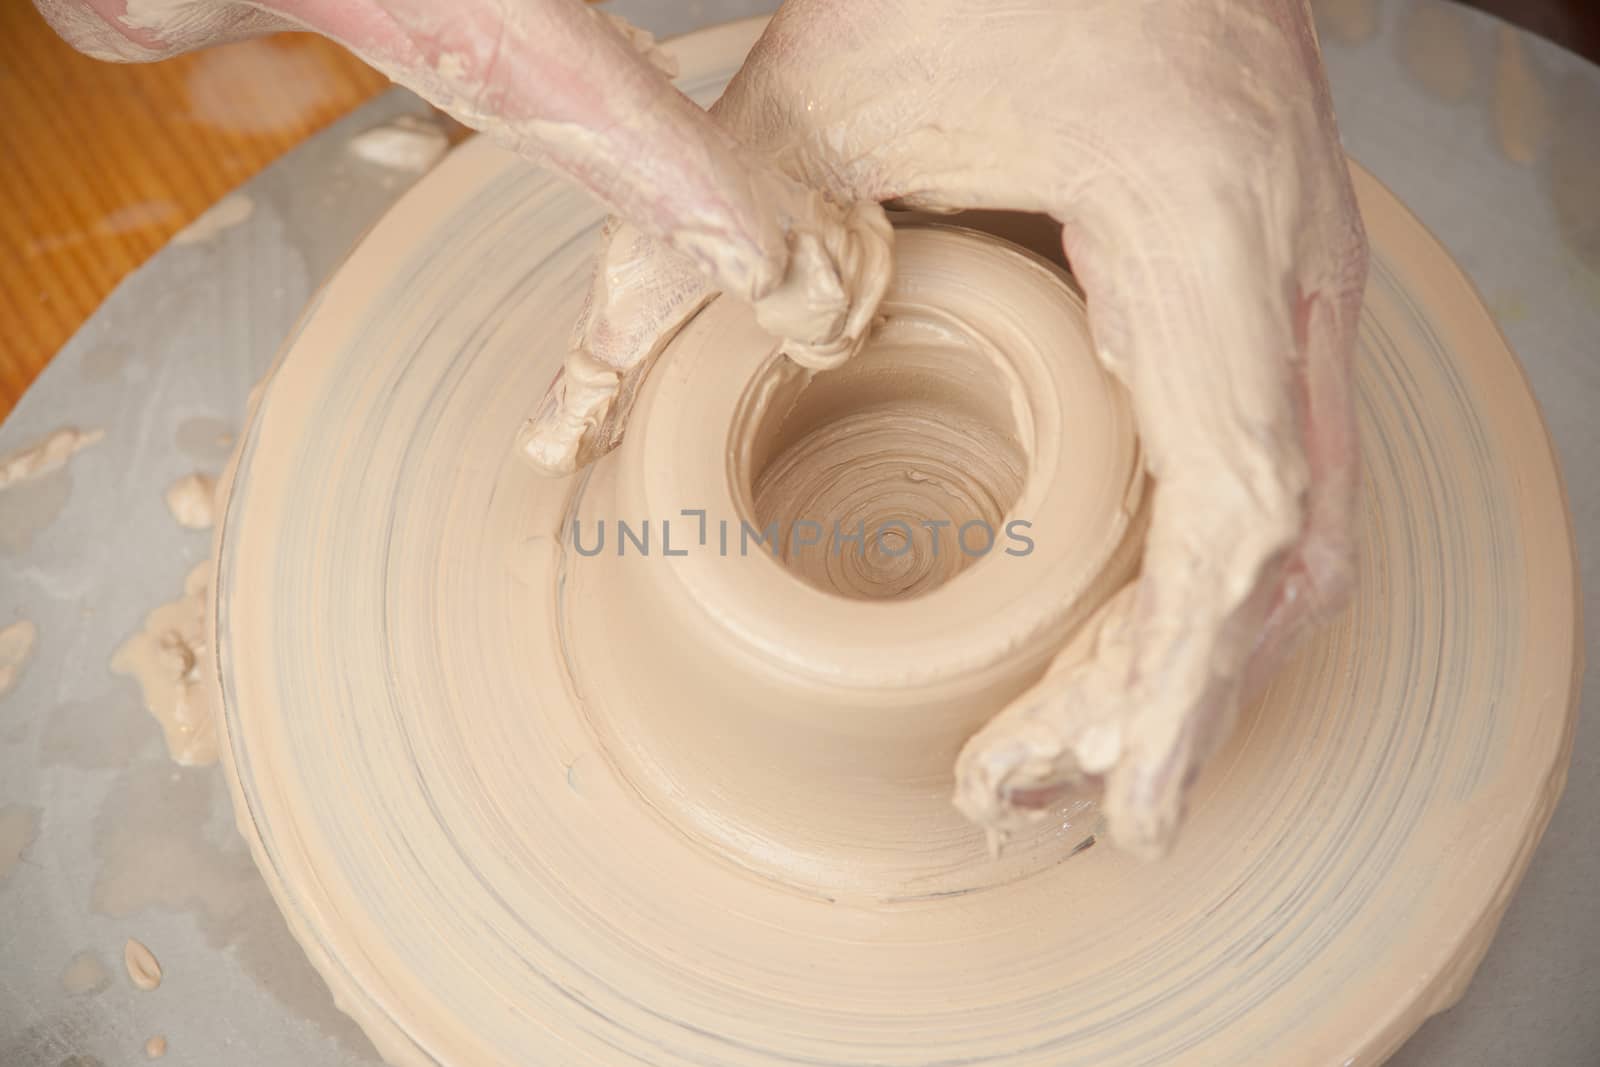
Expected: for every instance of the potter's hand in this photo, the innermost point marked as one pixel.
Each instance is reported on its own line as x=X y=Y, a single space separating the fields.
x=574 y=87
x=1189 y=148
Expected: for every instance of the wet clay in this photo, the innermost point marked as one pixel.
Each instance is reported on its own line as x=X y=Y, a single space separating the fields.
x=47 y=455
x=143 y=969
x=1436 y=49
x=1575 y=173
x=164 y=658
x=407 y=143
x=225 y=214
x=691 y=803
x=1520 y=109
x=252 y=88
x=204 y=439
x=85 y=974
x=163 y=842
x=130 y=218
x=191 y=501
x=1349 y=22
x=18 y=823
x=890 y=480
x=16 y=646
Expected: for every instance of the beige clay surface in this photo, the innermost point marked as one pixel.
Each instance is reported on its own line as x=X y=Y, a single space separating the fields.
x=521 y=803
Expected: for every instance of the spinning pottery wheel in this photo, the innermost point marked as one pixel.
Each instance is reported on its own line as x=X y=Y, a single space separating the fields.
x=444 y=725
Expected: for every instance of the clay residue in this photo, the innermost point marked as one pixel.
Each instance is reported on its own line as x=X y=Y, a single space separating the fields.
x=225 y=214
x=1521 y=114
x=204 y=437
x=144 y=970
x=45 y=456
x=98 y=732
x=35 y=484
x=170 y=18
x=139 y=216
x=408 y=143
x=156 y=1047
x=155 y=852
x=164 y=658
x=1436 y=49
x=259 y=86
x=165 y=841
x=642 y=41
x=85 y=974
x=190 y=499
x=1349 y=22
x=16 y=646
x=18 y=823
x=1575 y=171
x=104 y=362
x=126 y=219
x=30 y=508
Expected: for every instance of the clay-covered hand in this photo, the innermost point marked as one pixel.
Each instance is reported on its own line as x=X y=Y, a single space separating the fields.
x=574 y=87
x=1189 y=149
x=1187 y=146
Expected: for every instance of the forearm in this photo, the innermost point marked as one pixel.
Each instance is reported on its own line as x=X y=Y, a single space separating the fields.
x=551 y=79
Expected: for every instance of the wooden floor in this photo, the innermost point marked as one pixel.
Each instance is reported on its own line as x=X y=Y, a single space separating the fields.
x=103 y=162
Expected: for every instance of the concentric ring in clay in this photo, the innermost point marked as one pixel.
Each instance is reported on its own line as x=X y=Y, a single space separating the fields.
x=521 y=806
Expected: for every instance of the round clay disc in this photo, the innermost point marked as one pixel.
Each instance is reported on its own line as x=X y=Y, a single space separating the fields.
x=479 y=886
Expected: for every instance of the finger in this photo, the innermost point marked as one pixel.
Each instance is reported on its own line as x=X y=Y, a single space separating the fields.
x=1333 y=258
x=1058 y=739
x=643 y=292
x=639 y=297
x=838 y=274
x=563 y=83
x=1191 y=306
x=1319 y=573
